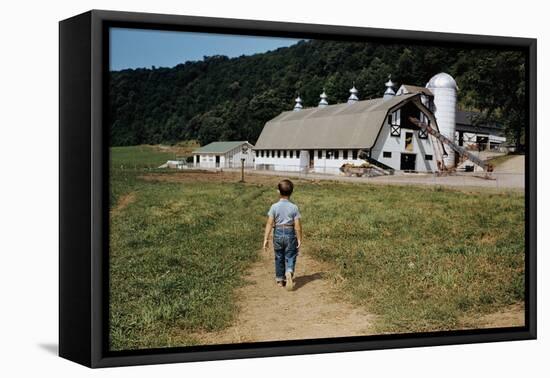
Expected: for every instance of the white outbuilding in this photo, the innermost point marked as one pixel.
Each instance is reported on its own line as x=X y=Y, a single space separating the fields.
x=224 y=155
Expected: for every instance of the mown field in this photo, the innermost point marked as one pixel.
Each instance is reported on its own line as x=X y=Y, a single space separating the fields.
x=421 y=258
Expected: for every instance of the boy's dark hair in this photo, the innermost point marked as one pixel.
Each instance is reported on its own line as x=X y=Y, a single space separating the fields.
x=286 y=187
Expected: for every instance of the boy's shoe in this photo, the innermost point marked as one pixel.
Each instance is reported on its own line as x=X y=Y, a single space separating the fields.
x=280 y=283
x=289 y=281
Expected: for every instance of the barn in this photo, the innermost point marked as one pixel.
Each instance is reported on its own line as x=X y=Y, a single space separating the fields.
x=380 y=131
x=468 y=133
x=323 y=138
x=224 y=155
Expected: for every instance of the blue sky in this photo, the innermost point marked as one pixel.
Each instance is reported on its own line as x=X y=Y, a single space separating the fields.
x=137 y=48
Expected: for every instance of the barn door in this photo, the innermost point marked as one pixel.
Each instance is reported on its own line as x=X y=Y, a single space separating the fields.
x=408 y=162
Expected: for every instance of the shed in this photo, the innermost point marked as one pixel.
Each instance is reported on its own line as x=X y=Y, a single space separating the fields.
x=226 y=154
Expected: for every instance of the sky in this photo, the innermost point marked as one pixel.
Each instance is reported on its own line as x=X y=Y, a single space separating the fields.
x=139 y=48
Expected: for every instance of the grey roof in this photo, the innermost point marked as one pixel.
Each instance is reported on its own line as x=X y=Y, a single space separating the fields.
x=417 y=89
x=464 y=122
x=335 y=126
x=219 y=147
x=464 y=117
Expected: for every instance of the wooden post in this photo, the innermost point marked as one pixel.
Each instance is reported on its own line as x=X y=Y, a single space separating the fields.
x=242 y=170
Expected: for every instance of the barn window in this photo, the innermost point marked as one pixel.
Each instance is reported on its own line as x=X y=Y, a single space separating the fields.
x=328 y=154
x=345 y=154
x=408 y=141
x=262 y=153
x=284 y=153
x=423 y=134
x=336 y=154
x=395 y=130
x=319 y=154
x=354 y=154
x=278 y=153
x=257 y=153
x=428 y=157
x=291 y=154
x=395 y=123
x=297 y=154
x=386 y=154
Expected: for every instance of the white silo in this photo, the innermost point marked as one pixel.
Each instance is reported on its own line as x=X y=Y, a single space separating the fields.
x=444 y=89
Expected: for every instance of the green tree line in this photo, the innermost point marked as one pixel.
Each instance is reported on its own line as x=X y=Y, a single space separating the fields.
x=221 y=98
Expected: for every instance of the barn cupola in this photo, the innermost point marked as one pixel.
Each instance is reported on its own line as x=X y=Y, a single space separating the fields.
x=298 y=106
x=353 y=95
x=323 y=102
x=389 y=93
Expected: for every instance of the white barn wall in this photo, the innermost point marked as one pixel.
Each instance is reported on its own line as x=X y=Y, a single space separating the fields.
x=332 y=165
x=233 y=158
x=396 y=145
x=207 y=161
x=288 y=164
x=294 y=164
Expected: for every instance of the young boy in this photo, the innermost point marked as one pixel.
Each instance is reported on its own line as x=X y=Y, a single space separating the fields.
x=284 y=218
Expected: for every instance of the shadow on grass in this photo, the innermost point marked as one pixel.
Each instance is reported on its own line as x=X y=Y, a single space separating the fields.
x=304 y=280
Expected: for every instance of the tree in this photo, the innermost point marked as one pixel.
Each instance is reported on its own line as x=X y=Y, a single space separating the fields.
x=221 y=98
x=494 y=83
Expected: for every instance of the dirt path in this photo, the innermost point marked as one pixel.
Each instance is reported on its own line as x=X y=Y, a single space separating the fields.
x=123 y=202
x=268 y=312
x=509 y=316
x=515 y=164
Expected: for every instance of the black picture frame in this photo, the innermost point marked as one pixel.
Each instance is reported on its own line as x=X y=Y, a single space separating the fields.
x=83 y=193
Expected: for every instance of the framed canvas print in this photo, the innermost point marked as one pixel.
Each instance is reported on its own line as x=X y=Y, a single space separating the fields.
x=234 y=188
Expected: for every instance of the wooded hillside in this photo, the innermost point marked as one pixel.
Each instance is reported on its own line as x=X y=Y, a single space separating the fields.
x=219 y=98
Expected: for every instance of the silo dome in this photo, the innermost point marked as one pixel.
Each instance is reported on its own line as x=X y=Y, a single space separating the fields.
x=442 y=80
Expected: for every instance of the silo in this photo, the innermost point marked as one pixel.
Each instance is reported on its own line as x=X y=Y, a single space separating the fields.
x=444 y=89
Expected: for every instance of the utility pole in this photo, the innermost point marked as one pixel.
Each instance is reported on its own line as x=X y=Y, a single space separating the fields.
x=244 y=152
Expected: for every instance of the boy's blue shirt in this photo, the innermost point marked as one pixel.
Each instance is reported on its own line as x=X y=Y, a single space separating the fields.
x=284 y=212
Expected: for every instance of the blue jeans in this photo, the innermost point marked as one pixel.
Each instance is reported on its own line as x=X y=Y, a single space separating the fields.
x=285 y=245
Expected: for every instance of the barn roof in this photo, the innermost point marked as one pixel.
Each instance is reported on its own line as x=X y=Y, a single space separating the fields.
x=219 y=147
x=417 y=89
x=464 y=122
x=335 y=126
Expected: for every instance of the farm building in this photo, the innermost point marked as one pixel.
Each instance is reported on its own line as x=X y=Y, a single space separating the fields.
x=380 y=131
x=224 y=155
x=467 y=134
x=483 y=137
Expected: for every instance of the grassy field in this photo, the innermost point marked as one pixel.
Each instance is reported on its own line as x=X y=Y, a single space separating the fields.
x=421 y=258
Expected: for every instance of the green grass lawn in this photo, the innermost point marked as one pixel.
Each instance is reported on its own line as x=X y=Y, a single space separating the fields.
x=421 y=258
x=128 y=162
